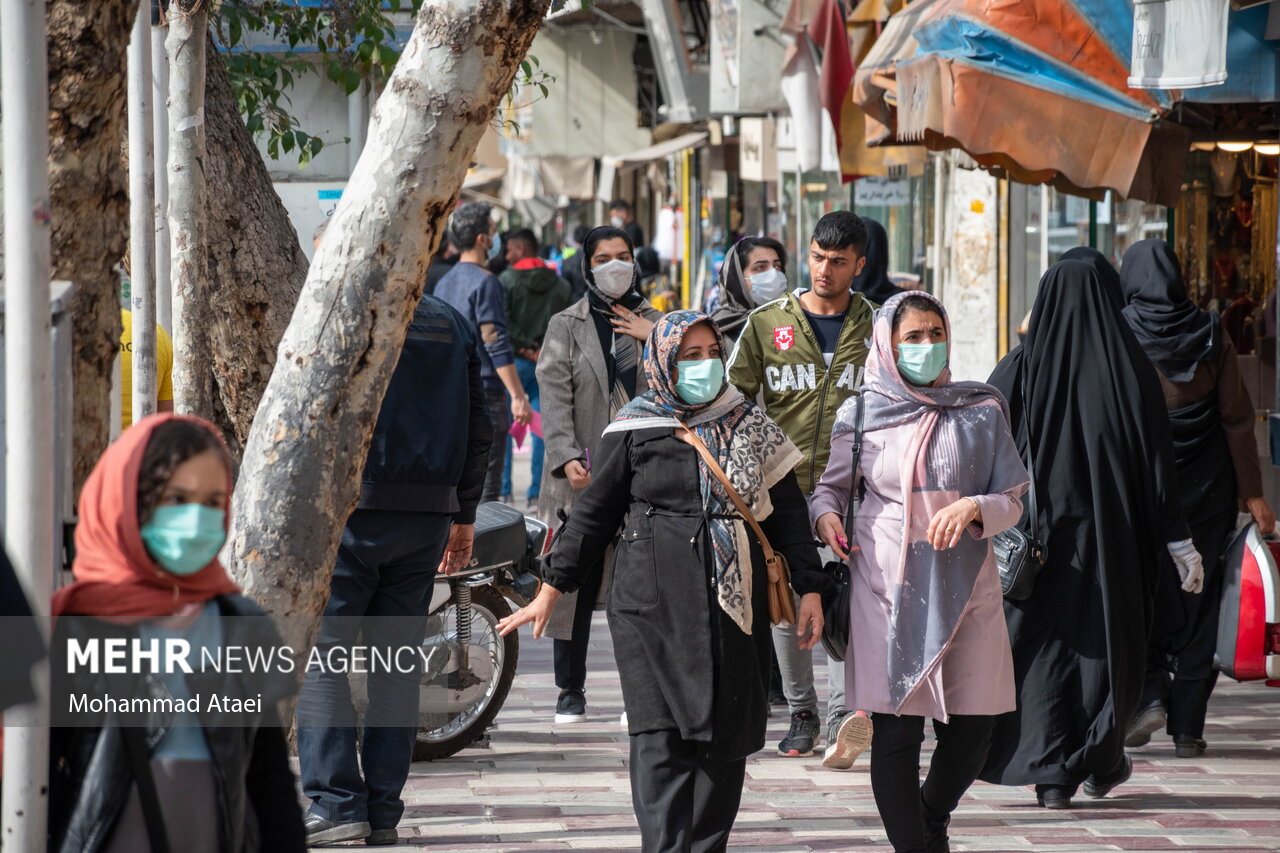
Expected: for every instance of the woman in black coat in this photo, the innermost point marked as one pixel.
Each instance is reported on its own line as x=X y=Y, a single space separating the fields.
x=689 y=606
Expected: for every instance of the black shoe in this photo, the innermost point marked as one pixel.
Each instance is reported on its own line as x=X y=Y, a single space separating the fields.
x=382 y=837
x=571 y=707
x=935 y=835
x=1054 y=796
x=802 y=737
x=1186 y=746
x=1099 y=788
x=1149 y=720
x=322 y=832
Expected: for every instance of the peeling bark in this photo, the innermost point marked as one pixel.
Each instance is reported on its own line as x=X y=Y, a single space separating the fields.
x=90 y=200
x=300 y=475
x=255 y=265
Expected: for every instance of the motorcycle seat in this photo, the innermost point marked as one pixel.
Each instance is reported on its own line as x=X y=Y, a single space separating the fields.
x=501 y=536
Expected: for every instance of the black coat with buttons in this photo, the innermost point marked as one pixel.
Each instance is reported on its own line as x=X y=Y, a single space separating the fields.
x=684 y=664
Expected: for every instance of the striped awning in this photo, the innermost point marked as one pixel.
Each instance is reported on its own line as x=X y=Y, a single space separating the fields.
x=1036 y=89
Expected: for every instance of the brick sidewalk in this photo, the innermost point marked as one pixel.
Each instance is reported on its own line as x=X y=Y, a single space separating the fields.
x=547 y=787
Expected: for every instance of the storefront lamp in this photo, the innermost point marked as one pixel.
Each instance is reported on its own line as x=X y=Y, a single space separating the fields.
x=1271 y=149
x=1235 y=147
x=1203 y=146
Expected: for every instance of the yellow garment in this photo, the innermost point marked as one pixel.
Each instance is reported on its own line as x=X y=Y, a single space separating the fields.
x=164 y=368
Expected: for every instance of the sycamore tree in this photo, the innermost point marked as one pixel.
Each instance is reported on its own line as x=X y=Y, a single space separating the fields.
x=299 y=478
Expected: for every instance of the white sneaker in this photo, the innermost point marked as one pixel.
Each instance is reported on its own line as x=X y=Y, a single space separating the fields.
x=850 y=739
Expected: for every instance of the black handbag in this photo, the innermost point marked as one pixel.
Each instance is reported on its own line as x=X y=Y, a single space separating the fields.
x=835 y=607
x=1020 y=555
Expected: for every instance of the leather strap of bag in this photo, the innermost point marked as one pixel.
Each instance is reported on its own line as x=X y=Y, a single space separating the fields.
x=714 y=467
x=135 y=747
x=851 y=512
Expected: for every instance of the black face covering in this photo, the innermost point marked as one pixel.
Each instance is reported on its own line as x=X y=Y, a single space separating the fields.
x=873 y=281
x=1174 y=332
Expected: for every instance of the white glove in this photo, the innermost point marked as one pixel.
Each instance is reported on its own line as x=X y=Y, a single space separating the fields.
x=1189 y=564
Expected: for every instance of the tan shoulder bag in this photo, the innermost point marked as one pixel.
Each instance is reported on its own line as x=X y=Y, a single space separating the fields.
x=782 y=607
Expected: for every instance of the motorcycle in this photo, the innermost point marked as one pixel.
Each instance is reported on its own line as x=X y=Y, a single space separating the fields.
x=468 y=666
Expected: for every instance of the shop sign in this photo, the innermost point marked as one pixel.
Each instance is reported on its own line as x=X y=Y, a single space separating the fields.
x=881 y=192
x=757 y=154
x=328 y=200
x=1178 y=44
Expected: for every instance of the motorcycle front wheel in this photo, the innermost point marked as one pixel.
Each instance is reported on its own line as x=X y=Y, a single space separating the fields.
x=457 y=701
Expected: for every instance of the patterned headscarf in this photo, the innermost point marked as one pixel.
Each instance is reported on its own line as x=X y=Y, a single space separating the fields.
x=753 y=451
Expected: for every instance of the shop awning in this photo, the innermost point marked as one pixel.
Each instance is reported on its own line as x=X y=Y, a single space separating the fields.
x=626 y=162
x=1036 y=90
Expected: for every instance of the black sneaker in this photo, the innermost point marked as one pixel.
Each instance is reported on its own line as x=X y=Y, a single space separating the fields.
x=1149 y=720
x=572 y=706
x=1186 y=746
x=802 y=737
x=322 y=832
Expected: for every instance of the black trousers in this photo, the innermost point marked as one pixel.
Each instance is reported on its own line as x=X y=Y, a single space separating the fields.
x=570 y=656
x=500 y=414
x=1180 y=671
x=907 y=808
x=684 y=801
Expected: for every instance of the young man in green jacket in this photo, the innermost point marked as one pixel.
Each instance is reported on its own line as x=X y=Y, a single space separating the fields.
x=802 y=356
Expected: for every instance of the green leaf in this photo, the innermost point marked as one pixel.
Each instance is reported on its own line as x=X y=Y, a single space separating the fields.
x=287 y=142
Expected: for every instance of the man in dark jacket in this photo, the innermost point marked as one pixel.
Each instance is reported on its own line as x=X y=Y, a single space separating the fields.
x=534 y=294
x=421 y=485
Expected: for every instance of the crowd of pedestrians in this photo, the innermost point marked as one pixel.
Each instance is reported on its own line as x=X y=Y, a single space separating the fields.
x=705 y=475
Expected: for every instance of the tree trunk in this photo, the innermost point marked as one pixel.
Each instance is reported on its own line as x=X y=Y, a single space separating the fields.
x=185 y=45
x=300 y=475
x=87 y=44
x=255 y=265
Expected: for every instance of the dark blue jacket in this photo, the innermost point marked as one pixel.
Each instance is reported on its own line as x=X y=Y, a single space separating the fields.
x=430 y=447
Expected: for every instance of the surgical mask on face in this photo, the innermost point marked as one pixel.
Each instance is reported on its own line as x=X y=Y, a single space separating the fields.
x=495 y=245
x=767 y=286
x=920 y=364
x=616 y=221
x=700 y=381
x=185 y=538
x=613 y=278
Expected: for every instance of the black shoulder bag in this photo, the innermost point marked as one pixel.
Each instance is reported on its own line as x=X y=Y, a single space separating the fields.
x=1021 y=555
x=835 y=610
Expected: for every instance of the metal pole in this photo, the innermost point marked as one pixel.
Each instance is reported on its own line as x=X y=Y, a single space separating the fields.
x=160 y=130
x=29 y=464
x=142 y=217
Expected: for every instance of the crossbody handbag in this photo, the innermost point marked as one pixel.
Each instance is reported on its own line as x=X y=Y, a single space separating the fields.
x=835 y=605
x=782 y=609
x=1020 y=554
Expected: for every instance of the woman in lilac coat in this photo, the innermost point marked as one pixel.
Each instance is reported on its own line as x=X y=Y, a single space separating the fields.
x=939 y=476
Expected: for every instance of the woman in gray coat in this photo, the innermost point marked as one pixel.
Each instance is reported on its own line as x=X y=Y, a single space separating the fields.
x=589 y=367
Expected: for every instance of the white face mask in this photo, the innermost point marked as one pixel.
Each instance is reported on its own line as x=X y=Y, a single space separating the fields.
x=616 y=221
x=767 y=286
x=613 y=278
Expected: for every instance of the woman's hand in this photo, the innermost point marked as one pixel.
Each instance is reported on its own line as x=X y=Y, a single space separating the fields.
x=809 y=620
x=949 y=523
x=630 y=323
x=831 y=532
x=538 y=612
x=577 y=473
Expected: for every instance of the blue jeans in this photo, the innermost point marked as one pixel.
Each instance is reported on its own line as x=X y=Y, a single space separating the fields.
x=526 y=369
x=386 y=566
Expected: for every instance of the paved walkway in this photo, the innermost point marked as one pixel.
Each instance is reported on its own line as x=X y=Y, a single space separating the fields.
x=548 y=787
